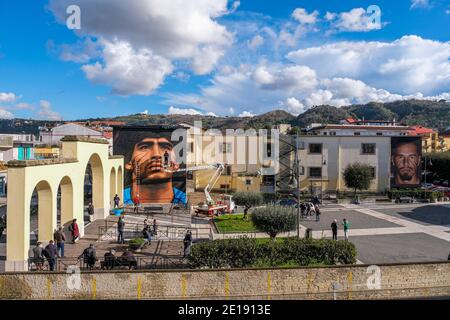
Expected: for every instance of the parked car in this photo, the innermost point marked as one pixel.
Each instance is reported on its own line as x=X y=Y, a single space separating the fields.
x=444 y=190
x=404 y=200
x=427 y=186
x=287 y=202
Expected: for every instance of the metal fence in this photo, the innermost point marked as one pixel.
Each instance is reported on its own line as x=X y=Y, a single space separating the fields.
x=149 y=262
x=163 y=232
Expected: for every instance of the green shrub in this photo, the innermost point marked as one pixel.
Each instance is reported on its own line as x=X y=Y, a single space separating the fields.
x=136 y=243
x=274 y=219
x=250 y=199
x=245 y=252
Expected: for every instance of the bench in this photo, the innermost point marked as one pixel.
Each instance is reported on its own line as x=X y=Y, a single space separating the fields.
x=110 y=264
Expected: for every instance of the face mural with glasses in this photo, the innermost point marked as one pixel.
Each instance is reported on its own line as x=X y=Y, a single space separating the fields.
x=406 y=161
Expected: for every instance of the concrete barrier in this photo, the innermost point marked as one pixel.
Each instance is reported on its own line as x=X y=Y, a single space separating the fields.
x=335 y=282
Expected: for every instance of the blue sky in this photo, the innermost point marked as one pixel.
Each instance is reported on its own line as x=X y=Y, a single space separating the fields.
x=217 y=57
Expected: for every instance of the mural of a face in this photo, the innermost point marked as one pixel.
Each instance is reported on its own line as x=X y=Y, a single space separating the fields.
x=406 y=162
x=148 y=159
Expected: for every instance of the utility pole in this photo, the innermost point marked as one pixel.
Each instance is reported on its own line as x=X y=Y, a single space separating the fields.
x=297 y=176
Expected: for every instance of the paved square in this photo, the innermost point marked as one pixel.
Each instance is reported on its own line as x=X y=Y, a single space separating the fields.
x=358 y=220
x=425 y=215
x=411 y=247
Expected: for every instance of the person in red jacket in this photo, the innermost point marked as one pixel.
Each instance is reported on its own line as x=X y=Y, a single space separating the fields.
x=73 y=228
x=137 y=202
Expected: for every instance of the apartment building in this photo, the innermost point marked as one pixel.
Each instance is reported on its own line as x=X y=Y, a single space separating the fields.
x=17 y=147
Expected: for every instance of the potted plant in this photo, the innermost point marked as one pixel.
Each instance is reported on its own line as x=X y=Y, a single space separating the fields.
x=136 y=243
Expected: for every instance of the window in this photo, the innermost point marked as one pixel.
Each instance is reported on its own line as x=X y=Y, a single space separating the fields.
x=224 y=186
x=248 y=182
x=315 y=172
x=225 y=147
x=191 y=147
x=325 y=133
x=332 y=133
x=379 y=133
x=228 y=170
x=269 y=149
x=368 y=148
x=357 y=133
x=373 y=172
x=315 y=148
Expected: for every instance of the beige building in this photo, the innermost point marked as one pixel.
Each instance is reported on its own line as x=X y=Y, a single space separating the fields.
x=323 y=160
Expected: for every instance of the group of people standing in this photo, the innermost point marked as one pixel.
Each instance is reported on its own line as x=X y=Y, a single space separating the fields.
x=334 y=228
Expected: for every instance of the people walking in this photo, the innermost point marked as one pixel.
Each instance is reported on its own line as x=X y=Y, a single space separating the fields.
x=137 y=203
x=346 y=225
x=116 y=201
x=317 y=210
x=187 y=243
x=90 y=211
x=50 y=253
x=60 y=239
x=147 y=234
x=38 y=256
x=334 y=229
x=73 y=228
x=120 y=228
x=89 y=256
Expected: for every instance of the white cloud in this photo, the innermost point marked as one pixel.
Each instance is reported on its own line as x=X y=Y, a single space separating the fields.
x=419 y=4
x=406 y=66
x=256 y=42
x=7 y=97
x=246 y=114
x=24 y=106
x=5 y=114
x=302 y=16
x=294 y=106
x=128 y=71
x=211 y=114
x=153 y=33
x=356 y=20
x=448 y=10
x=290 y=79
x=46 y=111
x=174 y=110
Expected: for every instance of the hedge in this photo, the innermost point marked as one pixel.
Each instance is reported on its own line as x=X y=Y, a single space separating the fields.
x=416 y=193
x=246 y=252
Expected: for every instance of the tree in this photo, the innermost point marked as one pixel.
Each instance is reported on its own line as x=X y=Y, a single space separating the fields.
x=274 y=219
x=248 y=199
x=358 y=176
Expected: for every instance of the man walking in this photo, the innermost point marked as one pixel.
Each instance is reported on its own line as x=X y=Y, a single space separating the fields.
x=38 y=256
x=334 y=229
x=245 y=212
x=116 y=201
x=155 y=228
x=120 y=228
x=346 y=225
x=59 y=238
x=50 y=253
x=137 y=203
x=317 y=210
x=90 y=211
x=187 y=243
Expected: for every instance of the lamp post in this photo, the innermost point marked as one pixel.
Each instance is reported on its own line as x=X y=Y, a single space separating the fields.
x=297 y=174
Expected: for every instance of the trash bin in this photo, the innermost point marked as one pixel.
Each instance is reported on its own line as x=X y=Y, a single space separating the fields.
x=308 y=233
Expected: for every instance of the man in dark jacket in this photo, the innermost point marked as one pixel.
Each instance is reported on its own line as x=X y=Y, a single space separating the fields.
x=334 y=229
x=187 y=243
x=60 y=239
x=120 y=228
x=89 y=256
x=50 y=253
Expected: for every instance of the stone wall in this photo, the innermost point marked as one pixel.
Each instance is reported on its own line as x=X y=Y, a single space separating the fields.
x=343 y=282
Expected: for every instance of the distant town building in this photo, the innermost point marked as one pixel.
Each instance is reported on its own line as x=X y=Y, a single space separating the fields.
x=17 y=147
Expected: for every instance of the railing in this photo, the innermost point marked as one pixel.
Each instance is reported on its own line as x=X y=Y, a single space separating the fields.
x=150 y=262
x=164 y=232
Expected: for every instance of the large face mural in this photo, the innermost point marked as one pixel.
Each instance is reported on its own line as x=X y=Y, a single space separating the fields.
x=151 y=165
x=406 y=156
